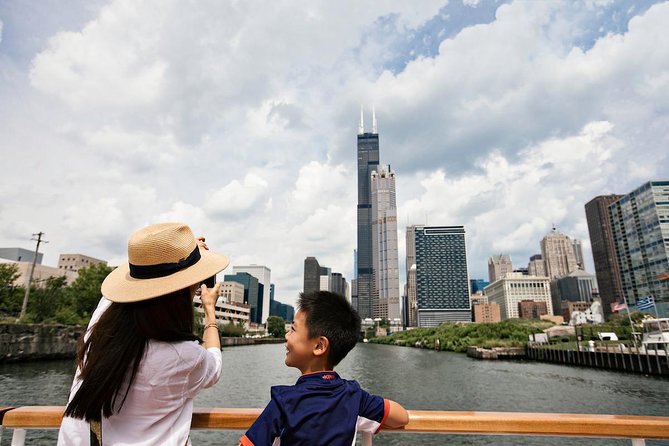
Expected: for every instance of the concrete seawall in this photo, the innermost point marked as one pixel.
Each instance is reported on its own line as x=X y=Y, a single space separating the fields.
x=496 y=353
x=30 y=342
x=34 y=342
x=233 y=342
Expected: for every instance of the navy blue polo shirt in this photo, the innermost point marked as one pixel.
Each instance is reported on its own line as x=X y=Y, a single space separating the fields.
x=320 y=409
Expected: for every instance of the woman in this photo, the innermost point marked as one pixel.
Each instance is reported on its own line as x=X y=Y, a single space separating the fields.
x=140 y=365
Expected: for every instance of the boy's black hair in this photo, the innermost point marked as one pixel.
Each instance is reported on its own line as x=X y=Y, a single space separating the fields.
x=330 y=315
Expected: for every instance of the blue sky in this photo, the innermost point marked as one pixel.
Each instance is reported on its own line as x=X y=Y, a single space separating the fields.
x=240 y=119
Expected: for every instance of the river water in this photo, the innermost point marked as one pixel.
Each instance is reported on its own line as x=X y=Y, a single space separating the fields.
x=418 y=379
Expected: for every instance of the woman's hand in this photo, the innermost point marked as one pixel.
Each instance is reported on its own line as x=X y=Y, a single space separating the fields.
x=208 y=297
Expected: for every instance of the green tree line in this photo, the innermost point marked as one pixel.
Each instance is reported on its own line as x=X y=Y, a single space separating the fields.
x=509 y=333
x=457 y=337
x=53 y=301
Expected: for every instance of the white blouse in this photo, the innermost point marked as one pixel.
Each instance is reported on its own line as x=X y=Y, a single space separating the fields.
x=159 y=405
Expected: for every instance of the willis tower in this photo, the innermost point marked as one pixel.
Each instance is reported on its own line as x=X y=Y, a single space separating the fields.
x=368 y=161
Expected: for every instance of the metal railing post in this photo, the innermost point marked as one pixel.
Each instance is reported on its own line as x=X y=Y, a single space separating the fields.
x=367 y=439
x=19 y=437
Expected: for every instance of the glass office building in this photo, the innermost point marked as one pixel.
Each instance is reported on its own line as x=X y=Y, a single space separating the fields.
x=442 y=280
x=640 y=225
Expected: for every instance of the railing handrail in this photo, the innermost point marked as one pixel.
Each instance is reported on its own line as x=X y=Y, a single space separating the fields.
x=453 y=422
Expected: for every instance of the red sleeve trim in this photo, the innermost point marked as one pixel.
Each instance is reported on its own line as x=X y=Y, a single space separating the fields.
x=245 y=441
x=386 y=411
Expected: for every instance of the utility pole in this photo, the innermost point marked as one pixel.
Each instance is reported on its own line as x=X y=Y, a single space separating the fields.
x=39 y=240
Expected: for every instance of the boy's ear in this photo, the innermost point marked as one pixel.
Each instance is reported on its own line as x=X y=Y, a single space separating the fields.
x=322 y=346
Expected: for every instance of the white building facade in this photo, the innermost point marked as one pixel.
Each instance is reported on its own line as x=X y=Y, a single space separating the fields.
x=509 y=291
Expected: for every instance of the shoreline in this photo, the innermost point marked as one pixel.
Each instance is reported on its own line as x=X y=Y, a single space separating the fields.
x=49 y=342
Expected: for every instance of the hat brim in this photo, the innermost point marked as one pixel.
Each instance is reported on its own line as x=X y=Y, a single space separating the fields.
x=120 y=287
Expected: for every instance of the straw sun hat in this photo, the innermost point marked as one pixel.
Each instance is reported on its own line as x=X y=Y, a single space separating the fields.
x=162 y=258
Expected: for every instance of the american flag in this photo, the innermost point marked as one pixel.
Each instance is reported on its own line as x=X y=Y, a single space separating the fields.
x=619 y=306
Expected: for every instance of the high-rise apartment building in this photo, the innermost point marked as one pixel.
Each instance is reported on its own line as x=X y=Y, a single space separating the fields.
x=509 y=291
x=557 y=250
x=640 y=225
x=368 y=162
x=263 y=274
x=604 y=251
x=385 y=262
x=442 y=281
x=499 y=266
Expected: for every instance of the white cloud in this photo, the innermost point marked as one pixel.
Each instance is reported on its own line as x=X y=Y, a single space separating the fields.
x=240 y=119
x=238 y=199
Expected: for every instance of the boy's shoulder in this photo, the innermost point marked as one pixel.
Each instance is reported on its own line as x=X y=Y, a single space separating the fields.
x=323 y=384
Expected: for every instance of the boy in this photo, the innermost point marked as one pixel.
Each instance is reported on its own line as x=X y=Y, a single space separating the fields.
x=321 y=408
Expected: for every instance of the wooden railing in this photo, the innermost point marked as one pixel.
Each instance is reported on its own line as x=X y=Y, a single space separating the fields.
x=635 y=428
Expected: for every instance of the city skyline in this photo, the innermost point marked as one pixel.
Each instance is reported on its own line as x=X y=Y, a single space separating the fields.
x=504 y=117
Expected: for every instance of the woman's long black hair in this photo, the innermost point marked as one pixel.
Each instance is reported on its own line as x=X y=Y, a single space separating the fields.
x=110 y=357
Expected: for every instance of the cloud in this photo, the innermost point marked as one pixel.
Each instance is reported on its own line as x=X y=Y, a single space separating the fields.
x=240 y=118
x=238 y=200
x=510 y=205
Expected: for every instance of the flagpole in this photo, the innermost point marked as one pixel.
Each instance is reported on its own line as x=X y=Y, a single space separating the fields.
x=629 y=316
x=657 y=316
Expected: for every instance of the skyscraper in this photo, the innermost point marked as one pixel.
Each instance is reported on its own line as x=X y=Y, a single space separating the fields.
x=312 y=274
x=640 y=224
x=604 y=251
x=577 y=245
x=411 y=307
x=499 y=266
x=368 y=161
x=317 y=277
x=557 y=250
x=263 y=274
x=442 y=281
x=537 y=266
x=385 y=262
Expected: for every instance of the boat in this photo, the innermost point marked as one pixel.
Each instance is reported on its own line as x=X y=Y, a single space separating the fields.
x=656 y=335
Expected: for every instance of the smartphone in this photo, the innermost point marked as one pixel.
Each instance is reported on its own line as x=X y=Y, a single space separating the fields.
x=210 y=282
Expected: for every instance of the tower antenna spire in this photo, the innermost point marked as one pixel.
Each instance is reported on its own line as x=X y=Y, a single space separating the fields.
x=361 y=126
x=374 y=129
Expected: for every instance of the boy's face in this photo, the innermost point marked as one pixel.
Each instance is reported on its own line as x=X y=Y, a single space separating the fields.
x=299 y=347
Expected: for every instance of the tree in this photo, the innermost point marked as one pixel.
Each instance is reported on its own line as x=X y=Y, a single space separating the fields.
x=276 y=326
x=233 y=330
x=84 y=293
x=46 y=300
x=11 y=296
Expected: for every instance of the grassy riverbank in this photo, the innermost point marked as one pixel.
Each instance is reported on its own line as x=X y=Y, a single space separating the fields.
x=457 y=337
